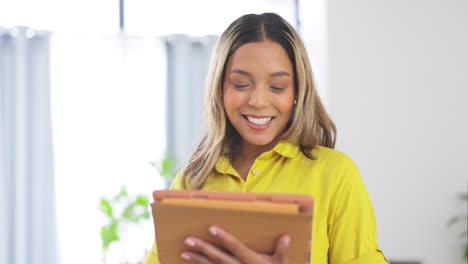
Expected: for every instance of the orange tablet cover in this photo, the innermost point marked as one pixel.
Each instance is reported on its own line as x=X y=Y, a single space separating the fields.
x=257 y=219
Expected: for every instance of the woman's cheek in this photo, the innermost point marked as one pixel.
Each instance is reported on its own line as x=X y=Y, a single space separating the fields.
x=232 y=99
x=285 y=104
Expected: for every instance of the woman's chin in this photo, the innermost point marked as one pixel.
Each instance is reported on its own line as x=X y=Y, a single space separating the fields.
x=260 y=141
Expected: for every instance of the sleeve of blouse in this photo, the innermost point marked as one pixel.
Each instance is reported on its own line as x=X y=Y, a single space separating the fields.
x=152 y=256
x=351 y=220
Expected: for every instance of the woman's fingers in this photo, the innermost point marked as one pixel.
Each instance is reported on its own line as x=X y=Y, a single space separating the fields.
x=209 y=253
x=231 y=243
x=281 y=252
x=196 y=257
x=206 y=253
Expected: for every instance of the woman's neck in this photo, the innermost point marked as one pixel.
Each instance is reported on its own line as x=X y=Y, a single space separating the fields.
x=249 y=152
x=246 y=154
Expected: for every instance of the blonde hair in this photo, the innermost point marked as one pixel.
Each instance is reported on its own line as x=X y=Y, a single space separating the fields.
x=310 y=124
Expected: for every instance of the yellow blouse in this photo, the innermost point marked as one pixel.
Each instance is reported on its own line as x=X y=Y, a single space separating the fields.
x=343 y=230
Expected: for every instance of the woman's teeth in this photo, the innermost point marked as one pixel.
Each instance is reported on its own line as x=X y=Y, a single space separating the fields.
x=259 y=121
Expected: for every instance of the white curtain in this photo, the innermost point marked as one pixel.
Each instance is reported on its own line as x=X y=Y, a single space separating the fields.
x=187 y=66
x=27 y=211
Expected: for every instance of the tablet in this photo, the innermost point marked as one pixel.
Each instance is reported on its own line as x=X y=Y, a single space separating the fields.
x=257 y=219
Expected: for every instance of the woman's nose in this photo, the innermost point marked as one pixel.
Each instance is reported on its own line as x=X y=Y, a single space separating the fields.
x=259 y=97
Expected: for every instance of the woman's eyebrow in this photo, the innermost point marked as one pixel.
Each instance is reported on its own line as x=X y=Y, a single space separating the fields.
x=240 y=72
x=280 y=73
x=276 y=74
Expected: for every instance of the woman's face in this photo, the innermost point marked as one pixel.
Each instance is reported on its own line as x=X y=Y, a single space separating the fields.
x=258 y=91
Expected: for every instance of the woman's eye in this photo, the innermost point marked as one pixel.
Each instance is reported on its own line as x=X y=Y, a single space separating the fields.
x=278 y=89
x=241 y=85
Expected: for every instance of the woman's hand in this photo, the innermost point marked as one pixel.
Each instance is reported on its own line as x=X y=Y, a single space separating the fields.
x=205 y=253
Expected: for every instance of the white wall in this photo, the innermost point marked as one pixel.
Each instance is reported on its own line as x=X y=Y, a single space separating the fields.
x=398 y=91
x=313 y=30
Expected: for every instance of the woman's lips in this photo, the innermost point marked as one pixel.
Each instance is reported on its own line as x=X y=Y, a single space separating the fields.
x=258 y=122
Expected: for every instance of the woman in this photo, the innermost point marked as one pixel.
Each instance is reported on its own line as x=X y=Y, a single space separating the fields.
x=269 y=132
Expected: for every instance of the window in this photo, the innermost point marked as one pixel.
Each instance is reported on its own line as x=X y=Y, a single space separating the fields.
x=108 y=100
x=202 y=17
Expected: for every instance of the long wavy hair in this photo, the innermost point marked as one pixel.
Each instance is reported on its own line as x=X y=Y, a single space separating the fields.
x=310 y=125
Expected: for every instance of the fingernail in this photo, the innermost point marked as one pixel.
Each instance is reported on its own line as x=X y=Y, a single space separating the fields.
x=185 y=256
x=213 y=230
x=189 y=242
x=286 y=240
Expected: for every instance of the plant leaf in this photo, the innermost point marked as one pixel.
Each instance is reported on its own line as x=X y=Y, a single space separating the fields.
x=128 y=212
x=154 y=164
x=146 y=215
x=168 y=167
x=463 y=196
x=109 y=234
x=143 y=200
x=122 y=193
x=454 y=219
x=135 y=211
x=106 y=207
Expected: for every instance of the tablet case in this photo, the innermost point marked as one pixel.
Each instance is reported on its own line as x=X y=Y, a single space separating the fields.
x=241 y=214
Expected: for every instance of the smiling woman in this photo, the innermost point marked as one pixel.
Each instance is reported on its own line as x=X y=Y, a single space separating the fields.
x=258 y=94
x=269 y=132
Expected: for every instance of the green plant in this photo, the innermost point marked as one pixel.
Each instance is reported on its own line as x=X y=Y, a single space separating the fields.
x=166 y=168
x=132 y=211
x=461 y=218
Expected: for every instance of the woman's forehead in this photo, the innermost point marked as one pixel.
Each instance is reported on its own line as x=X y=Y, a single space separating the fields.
x=260 y=56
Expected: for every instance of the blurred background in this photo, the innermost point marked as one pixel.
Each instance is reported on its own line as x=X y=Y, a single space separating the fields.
x=102 y=101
